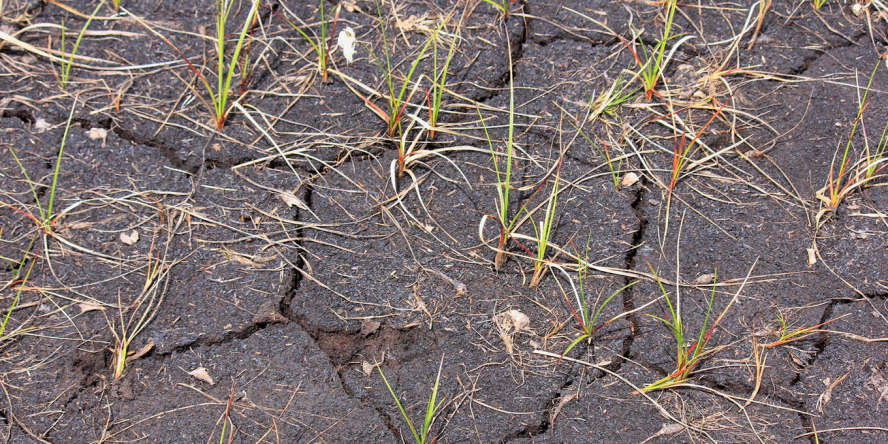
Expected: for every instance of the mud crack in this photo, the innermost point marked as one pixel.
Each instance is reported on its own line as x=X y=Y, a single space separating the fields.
x=637 y=201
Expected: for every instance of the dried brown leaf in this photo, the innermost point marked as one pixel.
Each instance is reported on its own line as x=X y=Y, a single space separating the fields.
x=89 y=306
x=97 y=134
x=202 y=374
x=129 y=238
x=704 y=279
x=291 y=200
x=628 y=180
x=142 y=352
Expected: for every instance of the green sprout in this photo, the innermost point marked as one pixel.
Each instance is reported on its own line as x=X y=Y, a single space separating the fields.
x=65 y=73
x=433 y=406
x=320 y=43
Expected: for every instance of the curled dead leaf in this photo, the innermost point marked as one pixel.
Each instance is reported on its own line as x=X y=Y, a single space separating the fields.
x=561 y=403
x=812 y=257
x=41 y=125
x=89 y=306
x=291 y=200
x=202 y=374
x=519 y=320
x=628 y=180
x=857 y=9
x=350 y=6
x=878 y=383
x=510 y=323
x=98 y=133
x=667 y=429
x=242 y=259
x=704 y=279
x=142 y=352
x=129 y=238
x=367 y=368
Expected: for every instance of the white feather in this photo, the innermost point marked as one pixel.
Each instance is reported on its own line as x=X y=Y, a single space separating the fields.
x=347 y=42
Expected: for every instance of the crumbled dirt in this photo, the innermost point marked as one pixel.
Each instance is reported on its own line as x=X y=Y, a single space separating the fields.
x=266 y=273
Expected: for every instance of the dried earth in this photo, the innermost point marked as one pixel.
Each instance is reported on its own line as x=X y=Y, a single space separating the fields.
x=265 y=270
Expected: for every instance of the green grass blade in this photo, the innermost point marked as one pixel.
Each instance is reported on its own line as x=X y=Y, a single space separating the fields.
x=30 y=184
x=18 y=294
x=698 y=348
x=321 y=48
x=388 y=62
x=510 y=142
x=601 y=307
x=432 y=406
x=499 y=178
x=406 y=84
x=223 y=94
x=574 y=344
x=503 y=7
x=319 y=51
x=400 y=407
x=440 y=83
x=55 y=175
x=66 y=70
x=546 y=229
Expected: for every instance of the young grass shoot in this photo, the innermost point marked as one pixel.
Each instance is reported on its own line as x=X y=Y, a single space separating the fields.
x=502 y=6
x=21 y=281
x=789 y=333
x=45 y=220
x=503 y=177
x=65 y=72
x=439 y=82
x=544 y=232
x=319 y=42
x=848 y=175
x=583 y=311
x=396 y=101
x=143 y=309
x=614 y=163
x=654 y=62
x=433 y=406
x=219 y=103
x=688 y=355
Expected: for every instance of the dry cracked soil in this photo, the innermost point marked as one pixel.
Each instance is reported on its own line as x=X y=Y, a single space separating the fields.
x=265 y=275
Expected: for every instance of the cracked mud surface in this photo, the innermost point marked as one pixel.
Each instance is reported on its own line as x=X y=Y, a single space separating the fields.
x=280 y=281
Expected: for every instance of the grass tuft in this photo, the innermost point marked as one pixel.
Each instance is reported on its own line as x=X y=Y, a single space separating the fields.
x=433 y=406
x=439 y=82
x=583 y=311
x=65 y=73
x=396 y=101
x=502 y=6
x=219 y=103
x=848 y=175
x=319 y=42
x=544 y=233
x=503 y=178
x=654 y=63
x=45 y=220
